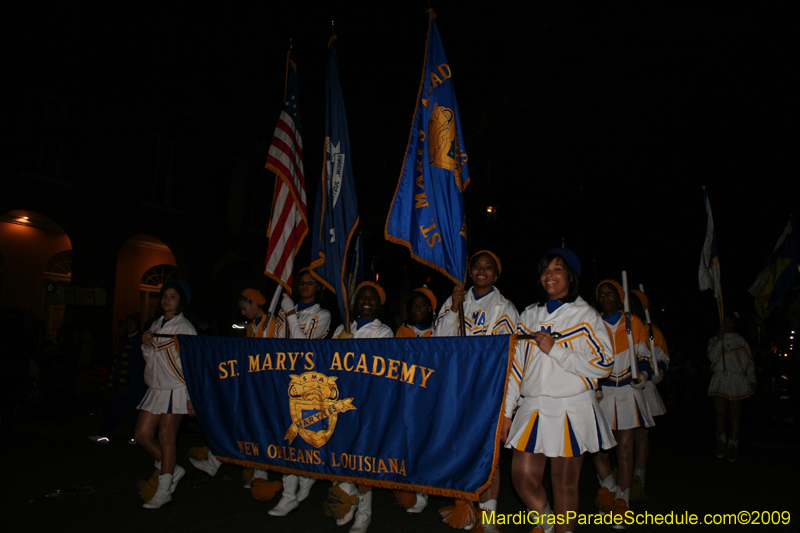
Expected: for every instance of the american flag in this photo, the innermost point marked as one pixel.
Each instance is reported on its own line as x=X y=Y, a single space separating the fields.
x=288 y=223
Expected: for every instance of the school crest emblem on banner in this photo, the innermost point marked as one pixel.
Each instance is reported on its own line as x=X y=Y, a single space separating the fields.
x=315 y=407
x=444 y=151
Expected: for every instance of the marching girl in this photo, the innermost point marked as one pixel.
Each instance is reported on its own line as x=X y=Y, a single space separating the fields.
x=651 y=395
x=421 y=304
x=486 y=312
x=554 y=380
x=623 y=401
x=304 y=320
x=166 y=399
x=369 y=302
x=733 y=379
x=251 y=304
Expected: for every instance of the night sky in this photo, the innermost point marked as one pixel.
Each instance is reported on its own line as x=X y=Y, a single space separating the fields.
x=595 y=122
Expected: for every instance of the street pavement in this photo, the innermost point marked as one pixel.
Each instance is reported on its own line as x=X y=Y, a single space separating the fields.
x=55 y=479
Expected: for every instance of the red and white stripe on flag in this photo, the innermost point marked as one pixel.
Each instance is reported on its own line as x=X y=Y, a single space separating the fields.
x=288 y=223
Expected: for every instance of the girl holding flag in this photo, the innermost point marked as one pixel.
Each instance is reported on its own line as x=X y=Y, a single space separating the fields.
x=486 y=312
x=553 y=382
x=304 y=320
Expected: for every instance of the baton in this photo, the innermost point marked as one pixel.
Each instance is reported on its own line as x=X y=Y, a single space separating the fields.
x=650 y=329
x=628 y=328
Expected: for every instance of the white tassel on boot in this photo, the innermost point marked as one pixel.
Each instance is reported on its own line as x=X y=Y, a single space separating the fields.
x=162 y=495
x=289 y=501
x=364 y=513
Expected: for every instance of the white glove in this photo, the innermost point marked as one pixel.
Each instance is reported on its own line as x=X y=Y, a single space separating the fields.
x=642 y=381
x=657 y=378
x=286 y=303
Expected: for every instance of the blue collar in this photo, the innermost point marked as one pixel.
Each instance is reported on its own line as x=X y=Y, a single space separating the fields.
x=303 y=307
x=487 y=294
x=613 y=319
x=361 y=323
x=552 y=305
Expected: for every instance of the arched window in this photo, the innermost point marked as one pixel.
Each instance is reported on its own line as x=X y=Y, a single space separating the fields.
x=152 y=281
x=59 y=267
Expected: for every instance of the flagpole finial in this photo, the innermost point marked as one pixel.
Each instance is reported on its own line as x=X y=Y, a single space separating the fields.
x=333 y=28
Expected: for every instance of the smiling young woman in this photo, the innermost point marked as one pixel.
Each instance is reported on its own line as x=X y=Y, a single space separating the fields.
x=553 y=380
x=368 y=308
x=486 y=312
x=167 y=399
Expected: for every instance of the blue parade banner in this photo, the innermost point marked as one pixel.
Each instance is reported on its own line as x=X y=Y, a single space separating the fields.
x=408 y=414
x=336 y=212
x=427 y=211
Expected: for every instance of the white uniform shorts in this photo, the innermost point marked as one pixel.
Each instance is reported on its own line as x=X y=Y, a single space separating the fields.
x=165 y=401
x=653 y=399
x=730 y=385
x=625 y=408
x=560 y=427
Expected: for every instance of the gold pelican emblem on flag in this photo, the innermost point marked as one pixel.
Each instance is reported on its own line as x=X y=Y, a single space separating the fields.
x=443 y=148
x=315 y=407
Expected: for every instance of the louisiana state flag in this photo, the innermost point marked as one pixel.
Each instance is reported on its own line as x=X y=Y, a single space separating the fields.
x=427 y=212
x=336 y=213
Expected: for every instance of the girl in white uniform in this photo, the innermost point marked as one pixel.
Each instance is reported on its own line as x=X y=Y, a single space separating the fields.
x=733 y=379
x=305 y=320
x=651 y=396
x=553 y=381
x=251 y=303
x=166 y=399
x=623 y=401
x=486 y=312
x=369 y=302
x=421 y=306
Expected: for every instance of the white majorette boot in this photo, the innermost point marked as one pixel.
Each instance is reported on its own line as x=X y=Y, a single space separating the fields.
x=258 y=473
x=162 y=495
x=209 y=465
x=421 y=503
x=352 y=490
x=305 y=487
x=177 y=474
x=363 y=514
x=289 y=501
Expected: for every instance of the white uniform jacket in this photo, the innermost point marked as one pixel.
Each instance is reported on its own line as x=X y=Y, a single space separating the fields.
x=738 y=359
x=621 y=373
x=577 y=361
x=163 y=355
x=491 y=315
x=310 y=323
x=374 y=330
